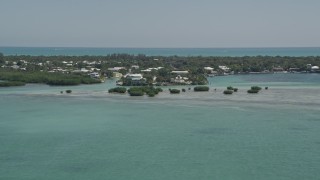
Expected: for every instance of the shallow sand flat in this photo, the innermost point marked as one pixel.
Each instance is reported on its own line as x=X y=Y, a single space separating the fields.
x=91 y=134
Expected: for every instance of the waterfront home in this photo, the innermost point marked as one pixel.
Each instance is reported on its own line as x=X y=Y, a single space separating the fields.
x=315 y=69
x=94 y=75
x=293 y=70
x=180 y=80
x=224 y=68
x=278 y=69
x=134 y=80
x=209 y=71
x=134 y=77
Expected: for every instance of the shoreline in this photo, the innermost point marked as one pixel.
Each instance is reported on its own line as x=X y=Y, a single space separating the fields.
x=162 y=51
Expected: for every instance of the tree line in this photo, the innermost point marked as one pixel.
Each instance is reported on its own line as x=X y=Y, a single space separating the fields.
x=193 y=63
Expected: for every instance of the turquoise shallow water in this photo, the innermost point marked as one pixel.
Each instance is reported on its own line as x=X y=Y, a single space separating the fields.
x=91 y=134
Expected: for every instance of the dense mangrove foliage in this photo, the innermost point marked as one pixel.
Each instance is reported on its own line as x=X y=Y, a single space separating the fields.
x=140 y=91
x=174 y=91
x=46 y=78
x=201 y=88
x=1 y=58
x=11 y=83
x=254 y=90
x=228 y=91
x=120 y=90
x=232 y=89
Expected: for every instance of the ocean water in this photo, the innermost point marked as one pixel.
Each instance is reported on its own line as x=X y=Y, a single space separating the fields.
x=49 y=51
x=91 y=134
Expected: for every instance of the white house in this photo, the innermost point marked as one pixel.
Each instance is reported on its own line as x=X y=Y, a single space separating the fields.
x=315 y=68
x=134 y=77
x=135 y=67
x=224 y=68
x=180 y=72
x=208 y=68
x=94 y=75
x=15 y=67
x=181 y=80
x=116 y=68
x=146 y=70
x=150 y=69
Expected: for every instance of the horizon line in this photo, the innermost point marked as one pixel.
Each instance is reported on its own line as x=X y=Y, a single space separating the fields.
x=261 y=47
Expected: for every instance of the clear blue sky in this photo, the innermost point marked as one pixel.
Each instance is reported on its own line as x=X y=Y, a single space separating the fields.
x=160 y=23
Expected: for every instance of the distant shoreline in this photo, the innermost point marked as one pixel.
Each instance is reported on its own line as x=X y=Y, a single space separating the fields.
x=219 y=52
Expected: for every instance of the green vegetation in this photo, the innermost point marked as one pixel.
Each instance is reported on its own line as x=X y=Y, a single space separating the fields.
x=266 y=88
x=174 y=91
x=193 y=64
x=229 y=88
x=140 y=91
x=1 y=59
x=201 y=88
x=159 y=89
x=67 y=70
x=120 y=90
x=47 y=78
x=136 y=93
x=11 y=83
x=252 y=91
x=227 y=91
x=256 y=88
x=183 y=90
x=232 y=89
x=151 y=94
x=68 y=91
